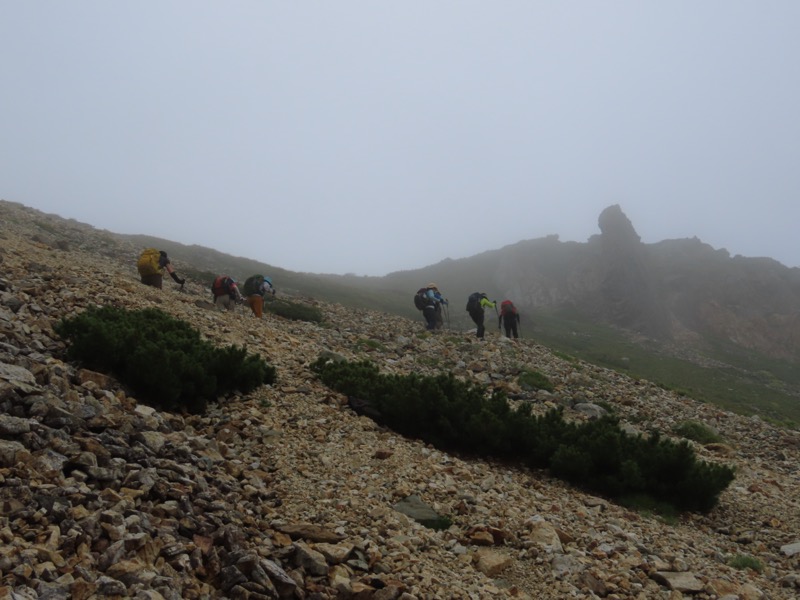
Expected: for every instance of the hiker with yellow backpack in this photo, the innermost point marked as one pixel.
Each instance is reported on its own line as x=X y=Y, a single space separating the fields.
x=151 y=265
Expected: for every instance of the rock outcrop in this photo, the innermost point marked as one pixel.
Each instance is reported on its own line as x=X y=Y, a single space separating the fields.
x=287 y=493
x=672 y=291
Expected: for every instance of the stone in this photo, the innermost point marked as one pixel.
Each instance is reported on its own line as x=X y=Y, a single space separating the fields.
x=791 y=549
x=683 y=582
x=491 y=562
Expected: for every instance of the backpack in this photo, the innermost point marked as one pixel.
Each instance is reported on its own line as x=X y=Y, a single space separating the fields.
x=221 y=286
x=507 y=309
x=252 y=285
x=420 y=301
x=474 y=301
x=148 y=263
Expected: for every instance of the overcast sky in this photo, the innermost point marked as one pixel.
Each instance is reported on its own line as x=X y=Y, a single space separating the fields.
x=370 y=137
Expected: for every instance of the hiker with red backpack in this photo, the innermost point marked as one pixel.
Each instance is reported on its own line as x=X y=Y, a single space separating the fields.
x=509 y=316
x=151 y=266
x=476 y=303
x=226 y=293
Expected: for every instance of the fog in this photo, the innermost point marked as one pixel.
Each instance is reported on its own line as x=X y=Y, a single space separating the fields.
x=371 y=137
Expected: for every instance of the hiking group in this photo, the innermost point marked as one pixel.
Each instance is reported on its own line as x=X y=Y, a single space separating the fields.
x=257 y=288
x=429 y=300
x=152 y=263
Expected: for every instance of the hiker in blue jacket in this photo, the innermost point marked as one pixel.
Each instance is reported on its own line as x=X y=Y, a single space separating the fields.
x=432 y=302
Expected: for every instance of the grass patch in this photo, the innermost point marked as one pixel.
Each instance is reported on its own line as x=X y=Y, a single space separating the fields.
x=531 y=380
x=370 y=344
x=745 y=561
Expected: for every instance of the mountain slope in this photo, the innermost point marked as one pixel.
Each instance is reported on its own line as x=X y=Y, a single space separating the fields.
x=286 y=493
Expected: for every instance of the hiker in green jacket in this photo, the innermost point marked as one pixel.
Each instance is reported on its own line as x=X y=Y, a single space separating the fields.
x=476 y=304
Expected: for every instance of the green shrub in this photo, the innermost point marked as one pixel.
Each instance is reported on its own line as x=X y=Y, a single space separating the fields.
x=443 y=523
x=648 y=506
x=370 y=344
x=698 y=432
x=533 y=380
x=744 y=561
x=162 y=359
x=454 y=415
x=294 y=311
x=565 y=356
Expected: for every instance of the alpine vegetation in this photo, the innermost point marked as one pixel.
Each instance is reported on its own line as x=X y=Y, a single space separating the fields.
x=599 y=456
x=163 y=359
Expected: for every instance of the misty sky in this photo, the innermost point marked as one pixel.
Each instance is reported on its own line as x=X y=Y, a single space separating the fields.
x=370 y=137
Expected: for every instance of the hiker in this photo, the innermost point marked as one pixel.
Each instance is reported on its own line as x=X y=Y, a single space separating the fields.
x=509 y=316
x=475 y=306
x=151 y=265
x=226 y=293
x=256 y=288
x=430 y=301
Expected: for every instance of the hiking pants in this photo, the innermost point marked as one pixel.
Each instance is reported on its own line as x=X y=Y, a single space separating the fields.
x=477 y=316
x=429 y=312
x=225 y=302
x=153 y=280
x=256 y=304
x=510 y=326
x=439 y=316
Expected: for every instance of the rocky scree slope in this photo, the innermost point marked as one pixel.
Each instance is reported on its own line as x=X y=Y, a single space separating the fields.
x=285 y=493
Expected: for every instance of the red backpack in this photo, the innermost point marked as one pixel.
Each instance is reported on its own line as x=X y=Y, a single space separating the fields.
x=507 y=308
x=221 y=286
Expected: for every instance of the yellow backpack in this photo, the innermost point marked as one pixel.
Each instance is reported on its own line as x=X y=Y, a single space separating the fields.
x=148 y=262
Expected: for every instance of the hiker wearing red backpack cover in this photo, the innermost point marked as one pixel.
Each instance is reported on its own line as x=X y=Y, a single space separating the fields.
x=509 y=317
x=226 y=293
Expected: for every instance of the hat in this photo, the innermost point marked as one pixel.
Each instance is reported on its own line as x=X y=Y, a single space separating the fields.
x=433 y=286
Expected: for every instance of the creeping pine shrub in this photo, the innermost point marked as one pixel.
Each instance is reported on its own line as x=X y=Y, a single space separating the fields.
x=162 y=359
x=294 y=311
x=599 y=455
x=698 y=432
